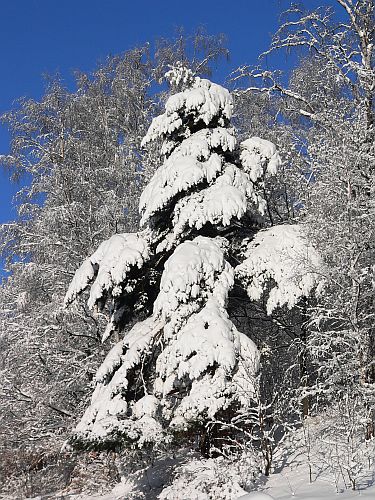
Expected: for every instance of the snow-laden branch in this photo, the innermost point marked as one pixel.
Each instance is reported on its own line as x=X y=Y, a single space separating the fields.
x=109 y=266
x=280 y=260
x=273 y=87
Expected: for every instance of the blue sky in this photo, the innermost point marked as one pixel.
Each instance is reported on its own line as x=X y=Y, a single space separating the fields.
x=44 y=36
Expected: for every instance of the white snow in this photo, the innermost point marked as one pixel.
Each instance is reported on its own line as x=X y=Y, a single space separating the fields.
x=207 y=479
x=82 y=277
x=148 y=405
x=259 y=157
x=105 y=414
x=226 y=189
x=204 y=100
x=291 y=481
x=195 y=334
x=295 y=485
x=282 y=258
x=190 y=164
x=109 y=265
x=208 y=339
x=217 y=204
x=229 y=188
x=226 y=198
x=201 y=363
x=192 y=300
x=195 y=270
x=255 y=495
x=187 y=476
x=178 y=74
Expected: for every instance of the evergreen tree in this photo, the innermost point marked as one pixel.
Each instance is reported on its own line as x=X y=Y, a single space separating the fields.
x=186 y=364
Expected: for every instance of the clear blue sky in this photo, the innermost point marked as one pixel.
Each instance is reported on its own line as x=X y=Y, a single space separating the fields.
x=49 y=36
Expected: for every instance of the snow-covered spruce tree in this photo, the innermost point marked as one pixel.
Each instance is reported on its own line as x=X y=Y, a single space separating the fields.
x=185 y=363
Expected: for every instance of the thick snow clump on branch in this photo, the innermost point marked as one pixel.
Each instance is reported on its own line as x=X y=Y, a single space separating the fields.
x=105 y=418
x=190 y=164
x=259 y=157
x=109 y=266
x=280 y=258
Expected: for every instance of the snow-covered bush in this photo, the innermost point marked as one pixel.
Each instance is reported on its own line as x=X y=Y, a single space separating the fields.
x=210 y=479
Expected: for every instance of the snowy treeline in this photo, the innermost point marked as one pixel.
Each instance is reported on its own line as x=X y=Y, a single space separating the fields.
x=215 y=248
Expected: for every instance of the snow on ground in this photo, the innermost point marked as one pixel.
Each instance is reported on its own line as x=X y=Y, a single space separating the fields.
x=287 y=485
x=291 y=479
x=256 y=495
x=293 y=484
